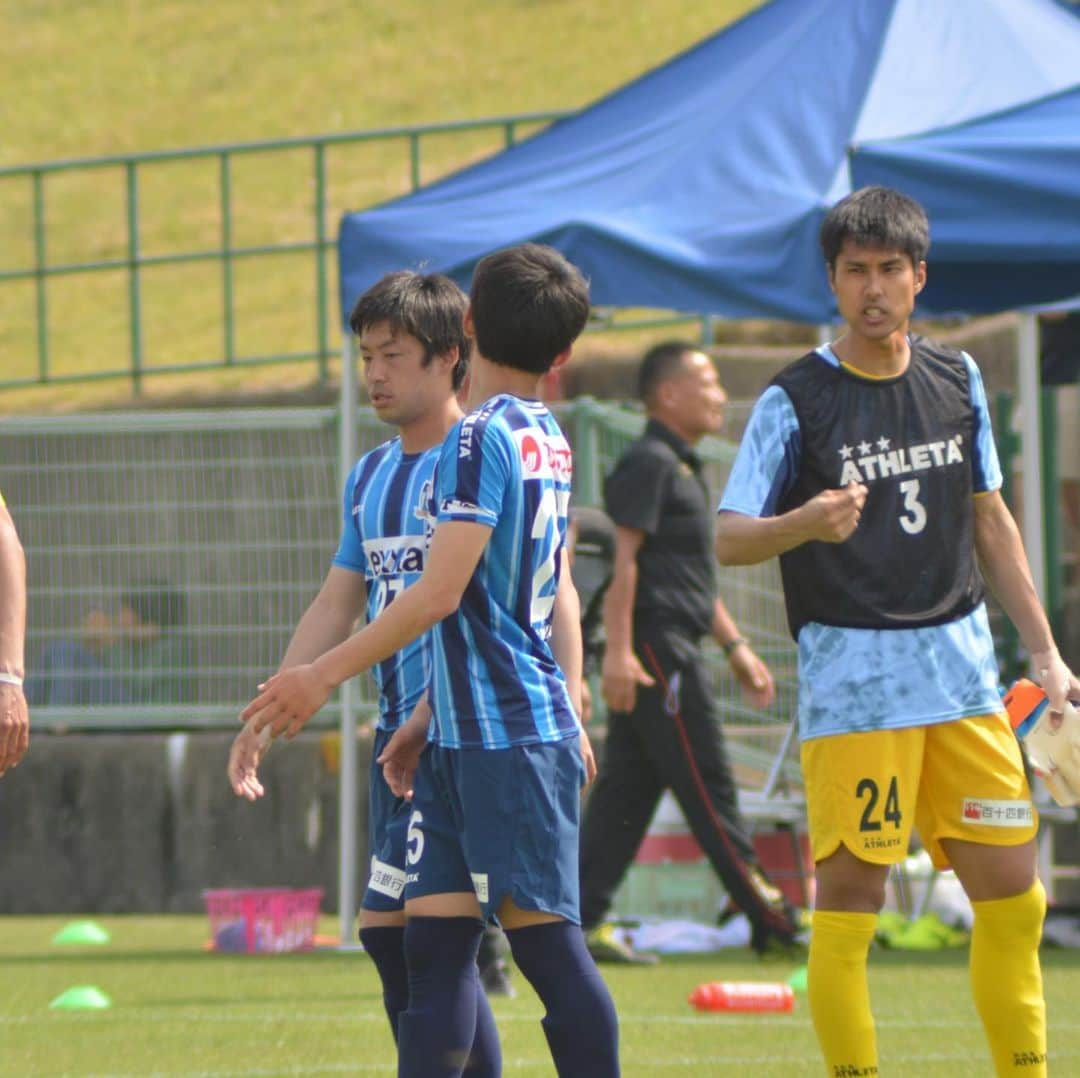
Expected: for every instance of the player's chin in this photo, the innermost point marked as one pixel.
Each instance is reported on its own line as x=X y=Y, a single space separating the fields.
x=386 y=411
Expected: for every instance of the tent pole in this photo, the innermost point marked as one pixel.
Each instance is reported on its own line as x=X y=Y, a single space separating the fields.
x=347 y=791
x=1031 y=448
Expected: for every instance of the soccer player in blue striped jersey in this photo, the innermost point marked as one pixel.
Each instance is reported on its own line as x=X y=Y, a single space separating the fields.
x=414 y=356
x=868 y=466
x=494 y=827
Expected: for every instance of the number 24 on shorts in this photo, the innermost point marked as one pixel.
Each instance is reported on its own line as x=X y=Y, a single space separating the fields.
x=871 y=820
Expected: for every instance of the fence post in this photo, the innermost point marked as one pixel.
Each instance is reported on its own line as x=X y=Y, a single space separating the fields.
x=587 y=451
x=39 y=277
x=414 y=160
x=225 y=191
x=1007 y=445
x=134 y=284
x=1055 y=574
x=349 y=778
x=320 y=262
x=1027 y=357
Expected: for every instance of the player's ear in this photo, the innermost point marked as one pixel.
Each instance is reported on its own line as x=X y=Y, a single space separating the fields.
x=467 y=323
x=920 y=277
x=560 y=359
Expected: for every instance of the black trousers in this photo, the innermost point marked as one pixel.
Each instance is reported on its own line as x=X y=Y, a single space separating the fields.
x=671 y=740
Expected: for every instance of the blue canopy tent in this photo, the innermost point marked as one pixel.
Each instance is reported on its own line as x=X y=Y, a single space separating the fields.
x=701 y=185
x=1004 y=194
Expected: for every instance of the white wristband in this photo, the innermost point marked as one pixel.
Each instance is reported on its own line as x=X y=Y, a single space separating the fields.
x=10 y=679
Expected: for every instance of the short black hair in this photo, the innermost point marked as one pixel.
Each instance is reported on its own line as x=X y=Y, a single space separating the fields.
x=427 y=306
x=156 y=603
x=529 y=304
x=876 y=217
x=660 y=363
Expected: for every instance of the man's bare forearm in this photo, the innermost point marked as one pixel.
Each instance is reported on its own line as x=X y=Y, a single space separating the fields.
x=566 y=645
x=1005 y=566
x=12 y=598
x=324 y=625
x=747 y=540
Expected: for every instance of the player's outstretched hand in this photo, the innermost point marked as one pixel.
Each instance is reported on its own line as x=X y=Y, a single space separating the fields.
x=754 y=676
x=14 y=726
x=400 y=758
x=833 y=515
x=288 y=700
x=247 y=752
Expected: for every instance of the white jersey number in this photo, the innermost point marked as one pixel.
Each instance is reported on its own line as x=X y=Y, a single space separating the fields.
x=389 y=589
x=913 y=519
x=540 y=607
x=414 y=838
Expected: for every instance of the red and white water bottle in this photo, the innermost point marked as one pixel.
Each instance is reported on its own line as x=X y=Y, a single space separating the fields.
x=743 y=996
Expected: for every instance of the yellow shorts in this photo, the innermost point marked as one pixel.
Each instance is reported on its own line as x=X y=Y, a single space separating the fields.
x=962 y=779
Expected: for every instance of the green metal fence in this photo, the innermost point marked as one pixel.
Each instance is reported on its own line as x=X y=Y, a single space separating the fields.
x=131 y=260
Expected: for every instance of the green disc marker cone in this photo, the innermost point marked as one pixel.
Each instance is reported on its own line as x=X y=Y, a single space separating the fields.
x=797 y=981
x=82 y=932
x=81 y=997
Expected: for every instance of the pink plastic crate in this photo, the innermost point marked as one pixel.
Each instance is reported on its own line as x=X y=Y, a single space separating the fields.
x=262 y=920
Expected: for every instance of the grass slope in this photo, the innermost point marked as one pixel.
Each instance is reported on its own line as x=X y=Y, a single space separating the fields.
x=181 y=1012
x=107 y=77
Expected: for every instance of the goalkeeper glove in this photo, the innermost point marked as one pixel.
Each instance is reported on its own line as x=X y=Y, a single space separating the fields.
x=1053 y=748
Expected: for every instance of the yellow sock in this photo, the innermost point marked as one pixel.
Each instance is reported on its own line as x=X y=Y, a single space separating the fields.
x=1006 y=980
x=838 y=991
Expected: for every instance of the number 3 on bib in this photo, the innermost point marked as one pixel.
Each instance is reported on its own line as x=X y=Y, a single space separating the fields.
x=913 y=519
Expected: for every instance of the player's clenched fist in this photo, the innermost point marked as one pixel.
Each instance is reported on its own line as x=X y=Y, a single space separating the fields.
x=833 y=515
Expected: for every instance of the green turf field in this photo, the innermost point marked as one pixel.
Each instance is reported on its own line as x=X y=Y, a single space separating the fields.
x=180 y=1011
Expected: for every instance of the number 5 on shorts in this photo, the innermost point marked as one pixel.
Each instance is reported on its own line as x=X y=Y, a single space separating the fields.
x=414 y=838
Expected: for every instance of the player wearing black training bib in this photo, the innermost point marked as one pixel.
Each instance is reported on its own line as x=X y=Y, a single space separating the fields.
x=869 y=468
x=909 y=439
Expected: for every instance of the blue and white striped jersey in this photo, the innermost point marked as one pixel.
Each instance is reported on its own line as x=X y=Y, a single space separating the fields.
x=385 y=535
x=494 y=680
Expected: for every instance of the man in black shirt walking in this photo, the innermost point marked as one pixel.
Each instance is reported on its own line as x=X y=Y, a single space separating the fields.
x=663 y=731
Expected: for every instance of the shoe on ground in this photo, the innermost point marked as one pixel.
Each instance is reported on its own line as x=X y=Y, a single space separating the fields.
x=927 y=933
x=772 y=946
x=787 y=936
x=606 y=945
x=783 y=944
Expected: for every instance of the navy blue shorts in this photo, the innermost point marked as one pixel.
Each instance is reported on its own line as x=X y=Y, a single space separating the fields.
x=388 y=821
x=500 y=822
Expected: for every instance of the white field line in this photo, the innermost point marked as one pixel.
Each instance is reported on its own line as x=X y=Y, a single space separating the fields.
x=653 y=1065
x=230 y=1015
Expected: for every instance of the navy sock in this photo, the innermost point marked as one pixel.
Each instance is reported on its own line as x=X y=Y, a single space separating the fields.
x=385 y=947
x=581 y=1026
x=485 y=1060
x=436 y=1031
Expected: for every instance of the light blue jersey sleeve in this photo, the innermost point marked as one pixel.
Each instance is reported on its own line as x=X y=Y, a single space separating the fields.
x=474 y=472
x=767 y=463
x=985 y=466
x=350 y=551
